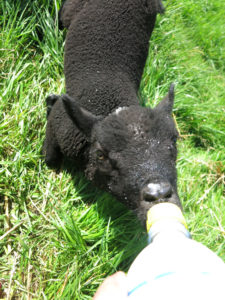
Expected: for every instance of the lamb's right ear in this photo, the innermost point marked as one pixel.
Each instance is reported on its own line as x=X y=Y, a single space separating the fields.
x=166 y=105
x=82 y=118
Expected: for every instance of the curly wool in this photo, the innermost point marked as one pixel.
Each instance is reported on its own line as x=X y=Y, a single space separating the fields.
x=105 y=52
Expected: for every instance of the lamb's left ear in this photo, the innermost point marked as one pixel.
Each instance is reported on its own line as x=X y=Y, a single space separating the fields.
x=82 y=118
x=166 y=105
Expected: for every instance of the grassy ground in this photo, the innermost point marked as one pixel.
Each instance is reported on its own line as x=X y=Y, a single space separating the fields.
x=62 y=235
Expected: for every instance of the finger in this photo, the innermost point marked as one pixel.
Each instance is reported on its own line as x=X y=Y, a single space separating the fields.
x=113 y=287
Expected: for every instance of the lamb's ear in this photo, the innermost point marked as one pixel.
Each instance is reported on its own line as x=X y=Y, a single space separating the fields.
x=166 y=105
x=154 y=6
x=50 y=101
x=82 y=118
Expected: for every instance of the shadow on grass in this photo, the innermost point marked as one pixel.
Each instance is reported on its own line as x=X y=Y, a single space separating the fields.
x=121 y=230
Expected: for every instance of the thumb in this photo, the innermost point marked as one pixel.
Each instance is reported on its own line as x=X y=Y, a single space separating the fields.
x=113 y=287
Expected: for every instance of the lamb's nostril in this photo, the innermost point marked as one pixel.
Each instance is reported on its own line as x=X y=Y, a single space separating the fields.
x=155 y=191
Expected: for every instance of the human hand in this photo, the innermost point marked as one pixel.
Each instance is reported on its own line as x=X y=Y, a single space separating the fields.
x=113 y=287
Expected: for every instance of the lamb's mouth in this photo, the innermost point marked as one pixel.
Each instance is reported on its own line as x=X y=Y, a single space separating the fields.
x=142 y=210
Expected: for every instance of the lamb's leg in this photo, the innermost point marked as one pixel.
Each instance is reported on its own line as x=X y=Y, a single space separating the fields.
x=51 y=149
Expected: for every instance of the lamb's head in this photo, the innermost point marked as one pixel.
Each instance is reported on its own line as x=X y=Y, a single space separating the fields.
x=132 y=152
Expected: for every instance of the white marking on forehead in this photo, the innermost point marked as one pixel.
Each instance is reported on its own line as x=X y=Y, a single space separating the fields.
x=136 y=129
x=119 y=109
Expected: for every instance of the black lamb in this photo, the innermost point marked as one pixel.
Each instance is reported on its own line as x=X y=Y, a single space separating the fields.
x=124 y=148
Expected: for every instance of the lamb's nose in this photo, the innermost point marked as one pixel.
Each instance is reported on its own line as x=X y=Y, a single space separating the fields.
x=155 y=191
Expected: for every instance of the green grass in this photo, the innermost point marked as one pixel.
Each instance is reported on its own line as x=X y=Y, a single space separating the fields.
x=65 y=235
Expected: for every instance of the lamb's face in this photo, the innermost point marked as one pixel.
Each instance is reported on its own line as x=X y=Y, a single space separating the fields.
x=133 y=155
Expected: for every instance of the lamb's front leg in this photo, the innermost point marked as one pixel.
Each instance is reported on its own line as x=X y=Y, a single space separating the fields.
x=51 y=149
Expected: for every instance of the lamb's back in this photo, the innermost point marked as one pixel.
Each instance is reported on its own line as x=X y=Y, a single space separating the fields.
x=107 y=37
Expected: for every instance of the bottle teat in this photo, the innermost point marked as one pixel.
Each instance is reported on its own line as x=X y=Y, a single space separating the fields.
x=164 y=211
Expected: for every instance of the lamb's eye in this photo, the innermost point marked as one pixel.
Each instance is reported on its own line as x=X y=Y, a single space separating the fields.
x=100 y=155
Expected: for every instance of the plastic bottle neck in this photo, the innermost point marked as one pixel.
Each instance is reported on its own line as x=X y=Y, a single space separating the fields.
x=167 y=229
